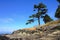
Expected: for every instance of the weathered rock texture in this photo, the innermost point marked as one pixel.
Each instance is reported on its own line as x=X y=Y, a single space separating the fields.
x=48 y=31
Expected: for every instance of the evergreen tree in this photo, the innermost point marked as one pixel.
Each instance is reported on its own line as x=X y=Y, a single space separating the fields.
x=46 y=18
x=57 y=14
x=58 y=1
x=41 y=8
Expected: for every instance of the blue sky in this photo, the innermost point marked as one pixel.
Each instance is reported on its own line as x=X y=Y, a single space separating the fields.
x=15 y=13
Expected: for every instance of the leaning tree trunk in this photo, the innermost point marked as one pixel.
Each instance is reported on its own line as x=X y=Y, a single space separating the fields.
x=39 y=21
x=38 y=18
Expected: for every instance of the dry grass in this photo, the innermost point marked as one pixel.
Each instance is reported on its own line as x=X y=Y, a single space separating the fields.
x=30 y=28
x=52 y=23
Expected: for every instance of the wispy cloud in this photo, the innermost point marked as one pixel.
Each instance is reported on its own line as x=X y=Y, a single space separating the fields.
x=6 y=20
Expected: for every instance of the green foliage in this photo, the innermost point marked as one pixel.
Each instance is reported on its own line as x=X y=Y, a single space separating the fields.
x=35 y=6
x=41 y=8
x=57 y=14
x=40 y=5
x=58 y=1
x=47 y=18
x=44 y=11
x=41 y=11
x=29 y=21
x=33 y=16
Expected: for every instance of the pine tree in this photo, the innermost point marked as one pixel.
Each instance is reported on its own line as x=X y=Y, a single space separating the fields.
x=41 y=8
x=58 y=1
x=57 y=14
x=47 y=18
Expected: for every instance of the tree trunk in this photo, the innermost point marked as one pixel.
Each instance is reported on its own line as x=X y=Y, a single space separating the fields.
x=38 y=18
x=39 y=21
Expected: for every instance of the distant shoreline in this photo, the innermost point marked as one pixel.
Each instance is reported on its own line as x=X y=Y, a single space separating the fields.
x=5 y=33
